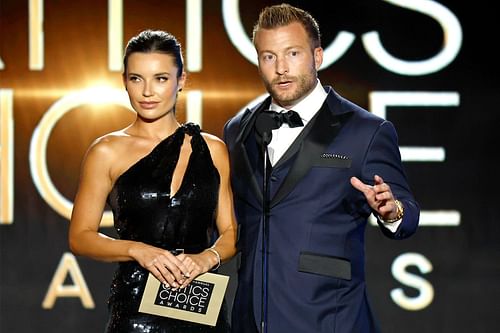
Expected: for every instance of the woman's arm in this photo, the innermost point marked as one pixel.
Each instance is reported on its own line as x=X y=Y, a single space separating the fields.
x=225 y=245
x=84 y=236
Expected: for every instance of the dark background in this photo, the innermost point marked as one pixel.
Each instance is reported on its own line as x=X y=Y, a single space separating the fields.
x=465 y=258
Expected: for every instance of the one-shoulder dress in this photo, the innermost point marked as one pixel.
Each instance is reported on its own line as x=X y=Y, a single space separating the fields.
x=144 y=210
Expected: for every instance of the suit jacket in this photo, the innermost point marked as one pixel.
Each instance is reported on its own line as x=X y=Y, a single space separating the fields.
x=316 y=219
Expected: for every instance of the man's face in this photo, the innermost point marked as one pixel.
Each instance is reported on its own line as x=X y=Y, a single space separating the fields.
x=287 y=64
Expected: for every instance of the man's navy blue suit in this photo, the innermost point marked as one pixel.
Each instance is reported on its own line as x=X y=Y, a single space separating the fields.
x=317 y=219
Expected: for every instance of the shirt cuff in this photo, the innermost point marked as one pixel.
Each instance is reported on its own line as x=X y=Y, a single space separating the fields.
x=393 y=226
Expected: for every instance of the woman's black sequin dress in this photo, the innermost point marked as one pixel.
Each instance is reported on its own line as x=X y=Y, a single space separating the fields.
x=145 y=211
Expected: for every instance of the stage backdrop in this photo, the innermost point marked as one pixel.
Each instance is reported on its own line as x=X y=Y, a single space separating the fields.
x=427 y=66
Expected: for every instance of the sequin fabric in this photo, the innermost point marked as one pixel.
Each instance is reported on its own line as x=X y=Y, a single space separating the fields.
x=145 y=210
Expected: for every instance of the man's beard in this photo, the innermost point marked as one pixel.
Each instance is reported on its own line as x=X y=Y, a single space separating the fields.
x=305 y=83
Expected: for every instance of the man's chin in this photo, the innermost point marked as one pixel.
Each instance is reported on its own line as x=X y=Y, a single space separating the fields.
x=284 y=101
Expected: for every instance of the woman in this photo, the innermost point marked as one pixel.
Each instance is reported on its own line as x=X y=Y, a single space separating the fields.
x=168 y=187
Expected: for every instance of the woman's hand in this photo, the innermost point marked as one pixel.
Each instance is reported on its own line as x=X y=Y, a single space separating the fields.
x=197 y=264
x=168 y=268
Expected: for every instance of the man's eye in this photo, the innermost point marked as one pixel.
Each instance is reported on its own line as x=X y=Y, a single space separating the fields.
x=268 y=57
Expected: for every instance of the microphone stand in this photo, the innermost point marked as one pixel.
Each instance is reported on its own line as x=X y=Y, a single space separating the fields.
x=266 y=139
x=264 y=125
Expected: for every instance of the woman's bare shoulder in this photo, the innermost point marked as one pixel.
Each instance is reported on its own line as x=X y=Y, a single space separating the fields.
x=218 y=151
x=215 y=144
x=110 y=145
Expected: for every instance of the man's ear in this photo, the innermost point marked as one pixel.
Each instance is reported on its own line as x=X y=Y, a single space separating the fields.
x=318 y=57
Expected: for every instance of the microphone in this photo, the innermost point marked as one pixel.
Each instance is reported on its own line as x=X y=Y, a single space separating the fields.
x=264 y=124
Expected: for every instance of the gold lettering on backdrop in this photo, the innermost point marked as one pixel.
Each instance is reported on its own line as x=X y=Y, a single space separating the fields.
x=36 y=38
x=452 y=41
x=194 y=107
x=40 y=138
x=6 y=157
x=115 y=35
x=425 y=289
x=194 y=35
x=57 y=288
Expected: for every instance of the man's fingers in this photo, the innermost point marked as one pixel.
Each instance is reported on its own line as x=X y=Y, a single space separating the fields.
x=378 y=180
x=359 y=185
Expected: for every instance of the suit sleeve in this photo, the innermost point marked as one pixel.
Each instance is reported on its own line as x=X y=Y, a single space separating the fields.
x=384 y=159
x=231 y=129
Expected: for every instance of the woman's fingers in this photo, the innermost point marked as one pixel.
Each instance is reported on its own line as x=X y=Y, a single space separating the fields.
x=176 y=271
x=194 y=271
x=169 y=269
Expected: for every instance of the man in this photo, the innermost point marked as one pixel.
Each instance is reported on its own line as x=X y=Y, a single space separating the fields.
x=327 y=177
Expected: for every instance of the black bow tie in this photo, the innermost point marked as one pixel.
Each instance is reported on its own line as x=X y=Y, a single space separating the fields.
x=291 y=117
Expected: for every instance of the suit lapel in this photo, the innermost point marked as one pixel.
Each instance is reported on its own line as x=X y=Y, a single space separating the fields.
x=319 y=134
x=241 y=161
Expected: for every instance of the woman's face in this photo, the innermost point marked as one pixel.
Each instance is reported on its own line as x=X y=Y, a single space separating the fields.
x=152 y=84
